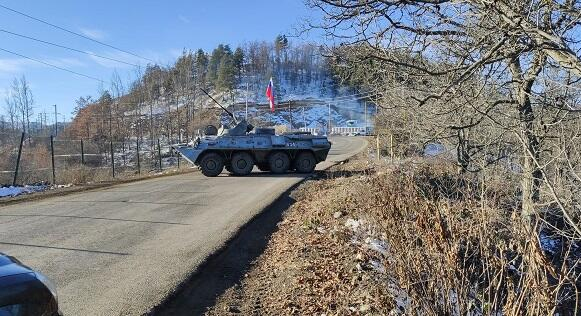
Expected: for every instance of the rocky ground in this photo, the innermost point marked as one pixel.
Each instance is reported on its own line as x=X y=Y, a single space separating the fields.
x=325 y=259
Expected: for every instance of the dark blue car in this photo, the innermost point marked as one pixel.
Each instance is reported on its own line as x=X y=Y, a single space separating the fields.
x=25 y=292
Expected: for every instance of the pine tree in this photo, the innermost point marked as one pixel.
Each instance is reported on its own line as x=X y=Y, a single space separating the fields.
x=214 y=64
x=226 y=74
x=201 y=66
x=238 y=60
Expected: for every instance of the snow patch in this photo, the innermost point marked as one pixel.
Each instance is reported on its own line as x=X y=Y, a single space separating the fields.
x=434 y=149
x=548 y=244
x=377 y=266
x=377 y=245
x=402 y=299
x=12 y=191
x=353 y=224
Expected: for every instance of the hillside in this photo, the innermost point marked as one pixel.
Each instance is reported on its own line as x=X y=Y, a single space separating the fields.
x=167 y=101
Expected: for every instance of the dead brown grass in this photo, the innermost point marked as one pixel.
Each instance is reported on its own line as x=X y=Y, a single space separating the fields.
x=454 y=246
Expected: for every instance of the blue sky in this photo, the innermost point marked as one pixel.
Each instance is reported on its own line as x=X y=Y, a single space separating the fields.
x=158 y=30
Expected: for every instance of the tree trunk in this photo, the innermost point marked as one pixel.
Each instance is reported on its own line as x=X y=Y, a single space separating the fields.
x=531 y=178
x=531 y=174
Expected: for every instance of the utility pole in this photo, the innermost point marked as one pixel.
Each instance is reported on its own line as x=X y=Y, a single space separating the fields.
x=63 y=119
x=246 y=115
x=56 y=123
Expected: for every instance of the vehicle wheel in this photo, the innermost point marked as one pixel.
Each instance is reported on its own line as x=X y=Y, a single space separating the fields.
x=242 y=163
x=305 y=162
x=278 y=162
x=263 y=167
x=211 y=164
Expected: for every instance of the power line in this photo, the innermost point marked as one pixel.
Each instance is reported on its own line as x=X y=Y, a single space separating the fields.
x=74 y=33
x=51 y=65
x=69 y=48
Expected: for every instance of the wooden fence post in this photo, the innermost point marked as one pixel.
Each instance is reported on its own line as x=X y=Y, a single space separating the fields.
x=18 y=160
x=52 y=159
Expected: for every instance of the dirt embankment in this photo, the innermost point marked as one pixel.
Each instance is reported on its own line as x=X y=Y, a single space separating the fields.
x=319 y=261
x=413 y=238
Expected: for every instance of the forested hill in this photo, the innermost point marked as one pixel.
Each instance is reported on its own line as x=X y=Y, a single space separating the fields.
x=168 y=98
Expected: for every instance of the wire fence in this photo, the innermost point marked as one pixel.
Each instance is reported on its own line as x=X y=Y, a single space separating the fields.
x=44 y=160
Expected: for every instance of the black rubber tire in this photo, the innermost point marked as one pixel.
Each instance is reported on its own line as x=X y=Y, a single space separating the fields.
x=305 y=162
x=212 y=164
x=278 y=162
x=242 y=163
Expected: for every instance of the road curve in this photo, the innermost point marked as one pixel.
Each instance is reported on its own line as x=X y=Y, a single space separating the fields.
x=121 y=250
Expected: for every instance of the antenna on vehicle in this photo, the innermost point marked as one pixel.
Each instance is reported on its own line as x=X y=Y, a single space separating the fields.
x=220 y=105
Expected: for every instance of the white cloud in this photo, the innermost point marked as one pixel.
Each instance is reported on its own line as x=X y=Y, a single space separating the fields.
x=176 y=52
x=95 y=34
x=118 y=56
x=65 y=62
x=12 y=65
x=183 y=19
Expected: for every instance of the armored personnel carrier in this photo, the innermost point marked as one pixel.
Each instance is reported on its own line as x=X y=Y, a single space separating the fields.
x=240 y=148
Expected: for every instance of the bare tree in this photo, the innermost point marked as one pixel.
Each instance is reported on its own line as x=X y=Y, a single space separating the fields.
x=501 y=47
x=23 y=102
x=118 y=90
x=10 y=108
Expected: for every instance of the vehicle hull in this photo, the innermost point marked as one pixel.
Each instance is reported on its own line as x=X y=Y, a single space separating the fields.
x=259 y=146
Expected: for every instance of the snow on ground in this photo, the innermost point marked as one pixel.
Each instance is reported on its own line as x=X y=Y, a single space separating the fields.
x=315 y=95
x=434 y=149
x=12 y=191
x=310 y=116
x=364 y=235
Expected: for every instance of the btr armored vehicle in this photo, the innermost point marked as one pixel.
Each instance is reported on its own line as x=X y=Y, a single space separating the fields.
x=242 y=147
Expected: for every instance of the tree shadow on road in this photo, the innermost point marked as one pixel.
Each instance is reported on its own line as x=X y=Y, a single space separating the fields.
x=227 y=266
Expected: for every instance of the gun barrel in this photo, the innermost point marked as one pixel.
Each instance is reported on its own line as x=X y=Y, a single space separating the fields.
x=220 y=105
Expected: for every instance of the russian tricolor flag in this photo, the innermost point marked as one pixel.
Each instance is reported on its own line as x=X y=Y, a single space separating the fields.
x=270 y=94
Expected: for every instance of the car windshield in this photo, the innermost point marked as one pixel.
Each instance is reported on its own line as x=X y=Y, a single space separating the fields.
x=5 y=260
x=11 y=310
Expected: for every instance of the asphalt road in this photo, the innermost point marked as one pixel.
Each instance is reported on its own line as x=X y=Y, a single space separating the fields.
x=121 y=250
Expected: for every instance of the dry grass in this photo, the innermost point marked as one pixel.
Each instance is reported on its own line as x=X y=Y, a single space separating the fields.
x=458 y=247
x=453 y=247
